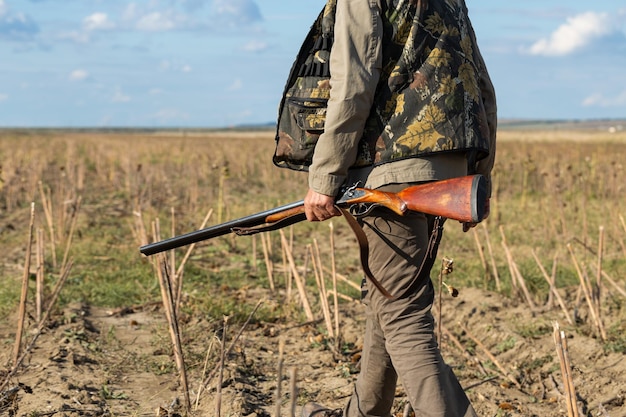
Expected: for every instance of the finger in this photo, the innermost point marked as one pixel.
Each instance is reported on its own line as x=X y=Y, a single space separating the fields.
x=334 y=211
x=317 y=214
x=312 y=215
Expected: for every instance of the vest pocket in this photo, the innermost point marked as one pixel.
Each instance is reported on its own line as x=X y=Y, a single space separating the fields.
x=299 y=128
x=309 y=115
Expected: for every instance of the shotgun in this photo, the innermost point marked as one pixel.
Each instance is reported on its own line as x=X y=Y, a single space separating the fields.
x=461 y=199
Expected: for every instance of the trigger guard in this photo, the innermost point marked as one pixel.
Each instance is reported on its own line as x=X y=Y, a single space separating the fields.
x=360 y=209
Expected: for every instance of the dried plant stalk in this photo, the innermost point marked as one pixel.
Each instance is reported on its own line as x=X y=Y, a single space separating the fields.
x=481 y=253
x=553 y=289
x=322 y=283
x=584 y=286
x=179 y=272
x=24 y=294
x=70 y=236
x=315 y=260
x=509 y=260
x=293 y=389
x=220 y=379
x=614 y=284
x=172 y=318
x=279 y=376
x=343 y=296
x=334 y=278
x=255 y=270
x=39 y=295
x=566 y=371
x=268 y=262
x=204 y=368
x=446 y=268
x=598 y=290
x=230 y=348
x=516 y=276
x=297 y=278
x=46 y=203
x=172 y=253
x=287 y=271
x=491 y=357
x=343 y=278
x=457 y=343
x=44 y=319
x=494 y=268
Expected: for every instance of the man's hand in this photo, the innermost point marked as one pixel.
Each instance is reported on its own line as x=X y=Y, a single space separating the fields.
x=319 y=207
x=468 y=226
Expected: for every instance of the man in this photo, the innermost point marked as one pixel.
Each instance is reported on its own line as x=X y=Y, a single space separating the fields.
x=410 y=100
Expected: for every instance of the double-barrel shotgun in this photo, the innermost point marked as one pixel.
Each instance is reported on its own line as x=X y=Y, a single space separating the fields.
x=462 y=199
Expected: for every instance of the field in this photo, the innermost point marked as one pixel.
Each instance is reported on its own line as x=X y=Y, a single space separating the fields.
x=282 y=306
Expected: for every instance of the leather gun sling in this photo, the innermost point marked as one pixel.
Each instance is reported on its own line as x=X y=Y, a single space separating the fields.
x=364 y=252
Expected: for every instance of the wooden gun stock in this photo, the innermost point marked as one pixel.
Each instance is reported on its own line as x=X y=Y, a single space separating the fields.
x=461 y=199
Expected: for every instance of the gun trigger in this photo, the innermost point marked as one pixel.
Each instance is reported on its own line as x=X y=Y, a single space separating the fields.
x=360 y=209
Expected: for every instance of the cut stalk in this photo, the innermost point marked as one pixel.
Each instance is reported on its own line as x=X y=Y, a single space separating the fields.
x=584 y=286
x=566 y=371
x=24 y=294
x=293 y=379
x=39 y=295
x=322 y=291
x=491 y=357
x=494 y=268
x=334 y=278
x=279 y=377
x=297 y=278
x=553 y=288
x=481 y=253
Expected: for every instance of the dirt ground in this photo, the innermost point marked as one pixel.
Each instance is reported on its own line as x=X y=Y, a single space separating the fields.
x=95 y=362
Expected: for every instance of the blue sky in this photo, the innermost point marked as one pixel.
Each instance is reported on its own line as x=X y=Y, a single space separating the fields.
x=214 y=63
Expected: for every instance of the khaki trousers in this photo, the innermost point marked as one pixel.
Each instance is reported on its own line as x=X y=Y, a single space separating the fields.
x=399 y=342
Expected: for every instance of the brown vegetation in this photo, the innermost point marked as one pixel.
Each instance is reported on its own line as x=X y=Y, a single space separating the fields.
x=537 y=327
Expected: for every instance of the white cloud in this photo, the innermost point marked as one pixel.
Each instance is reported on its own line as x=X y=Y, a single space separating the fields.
x=167 y=116
x=79 y=75
x=255 y=46
x=236 y=85
x=75 y=36
x=130 y=12
x=3 y=8
x=120 y=97
x=236 y=12
x=600 y=100
x=97 y=21
x=156 y=22
x=166 y=65
x=578 y=32
x=3 y=97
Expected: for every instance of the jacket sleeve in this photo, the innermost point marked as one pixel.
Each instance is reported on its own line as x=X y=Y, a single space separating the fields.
x=355 y=64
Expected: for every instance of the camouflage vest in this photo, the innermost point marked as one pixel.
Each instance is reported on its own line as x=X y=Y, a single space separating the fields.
x=427 y=100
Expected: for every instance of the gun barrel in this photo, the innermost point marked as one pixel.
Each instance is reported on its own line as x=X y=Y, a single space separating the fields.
x=213 y=231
